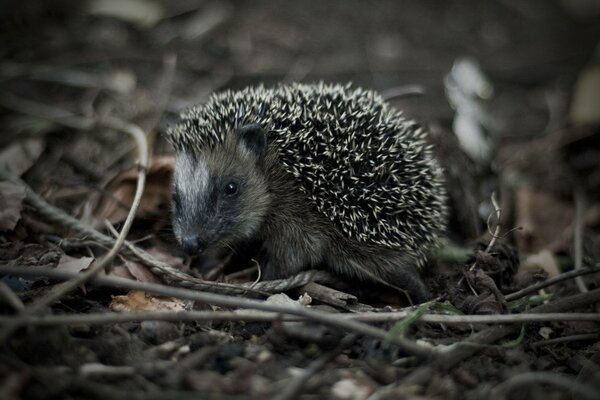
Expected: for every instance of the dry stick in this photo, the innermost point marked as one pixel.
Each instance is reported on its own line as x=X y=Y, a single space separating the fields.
x=566 y=339
x=325 y=318
x=492 y=334
x=553 y=281
x=106 y=318
x=263 y=316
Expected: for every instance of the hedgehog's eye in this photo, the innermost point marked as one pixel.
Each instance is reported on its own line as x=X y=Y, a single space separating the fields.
x=230 y=189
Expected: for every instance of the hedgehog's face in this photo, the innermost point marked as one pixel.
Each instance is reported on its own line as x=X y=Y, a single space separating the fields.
x=220 y=196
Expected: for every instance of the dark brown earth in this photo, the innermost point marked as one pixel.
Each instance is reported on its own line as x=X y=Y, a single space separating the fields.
x=72 y=74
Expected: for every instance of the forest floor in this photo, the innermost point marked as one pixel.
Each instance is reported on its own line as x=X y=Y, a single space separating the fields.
x=510 y=92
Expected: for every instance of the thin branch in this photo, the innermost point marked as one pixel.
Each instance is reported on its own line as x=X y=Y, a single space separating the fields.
x=552 y=281
x=265 y=316
x=567 y=339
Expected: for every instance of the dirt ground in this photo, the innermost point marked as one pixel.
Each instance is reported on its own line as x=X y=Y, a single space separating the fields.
x=510 y=93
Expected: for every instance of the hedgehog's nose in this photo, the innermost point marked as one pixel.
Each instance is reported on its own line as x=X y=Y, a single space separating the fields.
x=193 y=244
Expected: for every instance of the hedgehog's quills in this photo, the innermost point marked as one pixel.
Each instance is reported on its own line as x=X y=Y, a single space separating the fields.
x=323 y=175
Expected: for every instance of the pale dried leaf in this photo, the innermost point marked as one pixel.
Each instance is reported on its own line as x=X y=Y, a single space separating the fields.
x=546 y=332
x=68 y=263
x=137 y=301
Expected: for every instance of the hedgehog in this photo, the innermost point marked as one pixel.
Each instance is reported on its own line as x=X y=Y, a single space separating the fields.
x=319 y=175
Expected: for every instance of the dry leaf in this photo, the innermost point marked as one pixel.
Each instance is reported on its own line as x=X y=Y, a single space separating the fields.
x=140 y=272
x=136 y=301
x=19 y=157
x=121 y=189
x=120 y=271
x=11 y=205
x=68 y=263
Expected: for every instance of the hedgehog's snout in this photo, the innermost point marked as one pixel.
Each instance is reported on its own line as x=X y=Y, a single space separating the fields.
x=193 y=244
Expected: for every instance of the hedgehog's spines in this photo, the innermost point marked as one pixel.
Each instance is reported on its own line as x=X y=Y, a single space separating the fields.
x=359 y=161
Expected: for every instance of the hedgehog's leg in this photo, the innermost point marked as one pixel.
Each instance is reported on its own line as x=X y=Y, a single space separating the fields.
x=387 y=267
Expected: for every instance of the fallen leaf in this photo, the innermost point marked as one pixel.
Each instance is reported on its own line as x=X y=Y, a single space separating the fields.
x=545 y=332
x=20 y=156
x=120 y=271
x=120 y=190
x=137 y=271
x=11 y=205
x=68 y=263
x=137 y=301
x=140 y=272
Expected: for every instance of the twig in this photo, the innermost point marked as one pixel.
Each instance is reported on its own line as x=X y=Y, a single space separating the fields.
x=567 y=339
x=503 y=390
x=265 y=316
x=325 y=318
x=294 y=388
x=329 y=295
x=553 y=281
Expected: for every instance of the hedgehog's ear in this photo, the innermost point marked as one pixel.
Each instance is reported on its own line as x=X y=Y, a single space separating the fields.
x=252 y=138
